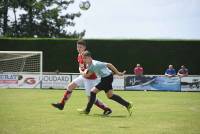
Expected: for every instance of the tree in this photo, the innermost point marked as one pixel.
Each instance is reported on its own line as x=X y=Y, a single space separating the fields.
x=5 y=16
x=14 y=4
x=1 y=17
x=44 y=18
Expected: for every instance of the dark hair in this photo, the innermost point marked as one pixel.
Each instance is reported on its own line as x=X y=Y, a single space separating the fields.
x=81 y=42
x=87 y=53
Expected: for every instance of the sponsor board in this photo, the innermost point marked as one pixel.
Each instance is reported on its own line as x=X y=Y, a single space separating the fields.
x=55 y=81
x=29 y=81
x=8 y=80
x=190 y=83
x=118 y=82
x=152 y=83
x=128 y=82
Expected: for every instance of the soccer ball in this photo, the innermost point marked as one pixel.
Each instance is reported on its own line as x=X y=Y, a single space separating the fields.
x=84 y=5
x=20 y=77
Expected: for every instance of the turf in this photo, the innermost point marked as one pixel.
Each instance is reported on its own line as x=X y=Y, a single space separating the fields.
x=25 y=111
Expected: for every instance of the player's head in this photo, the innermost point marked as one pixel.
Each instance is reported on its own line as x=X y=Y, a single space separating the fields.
x=81 y=46
x=87 y=57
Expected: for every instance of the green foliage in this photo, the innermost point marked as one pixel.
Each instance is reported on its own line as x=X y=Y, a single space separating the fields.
x=28 y=111
x=1 y=16
x=43 y=18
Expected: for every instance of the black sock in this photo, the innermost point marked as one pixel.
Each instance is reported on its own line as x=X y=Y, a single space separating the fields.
x=120 y=100
x=91 y=101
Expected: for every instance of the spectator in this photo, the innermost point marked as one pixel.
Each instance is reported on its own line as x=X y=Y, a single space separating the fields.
x=183 y=71
x=138 y=70
x=170 y=72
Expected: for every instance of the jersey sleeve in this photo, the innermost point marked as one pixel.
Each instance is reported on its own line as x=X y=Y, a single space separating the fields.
x=102 y=64
x=90 y=69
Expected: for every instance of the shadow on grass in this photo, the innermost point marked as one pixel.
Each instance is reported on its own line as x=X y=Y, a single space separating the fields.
x=125 y=127
x=109 y=116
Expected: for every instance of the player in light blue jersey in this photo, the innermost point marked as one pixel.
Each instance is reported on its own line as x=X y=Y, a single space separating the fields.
x=105 y=71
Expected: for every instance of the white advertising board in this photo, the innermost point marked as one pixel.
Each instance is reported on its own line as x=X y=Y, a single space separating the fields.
x=8 y=81
x=29 y=81
x=190 y=83
x=55 y=81
x=118 y=82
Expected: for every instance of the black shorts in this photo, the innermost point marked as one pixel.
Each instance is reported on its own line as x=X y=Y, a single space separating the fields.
x=105 y=83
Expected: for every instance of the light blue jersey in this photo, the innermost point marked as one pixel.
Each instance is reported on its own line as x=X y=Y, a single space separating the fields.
x=100 y=68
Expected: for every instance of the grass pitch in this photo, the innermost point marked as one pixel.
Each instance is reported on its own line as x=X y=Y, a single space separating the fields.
x=28 y=111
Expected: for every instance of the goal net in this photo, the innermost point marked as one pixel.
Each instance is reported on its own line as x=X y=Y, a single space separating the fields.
x=16 y=64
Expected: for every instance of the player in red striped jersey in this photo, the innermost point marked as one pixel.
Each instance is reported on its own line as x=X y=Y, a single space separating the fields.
x=88 y=83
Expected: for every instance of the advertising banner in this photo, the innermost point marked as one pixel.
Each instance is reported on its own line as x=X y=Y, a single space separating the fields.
x=55 y=81
x=152 y=83
x=29 y=81
x=118 y=82
x=190 y=83
x=8 y=81
x=127 y=82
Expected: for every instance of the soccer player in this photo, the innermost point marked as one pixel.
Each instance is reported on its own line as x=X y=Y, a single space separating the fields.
x=88 y=83
x=104 y=70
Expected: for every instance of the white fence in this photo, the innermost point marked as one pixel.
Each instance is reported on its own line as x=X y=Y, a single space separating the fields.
x=162 y=83
x=128 y=82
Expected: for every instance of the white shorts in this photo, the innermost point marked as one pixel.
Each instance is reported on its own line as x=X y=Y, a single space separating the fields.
x=87 y=83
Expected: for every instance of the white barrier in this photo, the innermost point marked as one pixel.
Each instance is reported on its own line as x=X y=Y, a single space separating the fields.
x=128 y=82
x=55 y=81
x=8 y=80
x=162 y=83
x=190 y=83
x=29 y=81
x=118 y=82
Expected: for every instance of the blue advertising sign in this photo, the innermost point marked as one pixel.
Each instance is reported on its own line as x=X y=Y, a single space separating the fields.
x=152 y=83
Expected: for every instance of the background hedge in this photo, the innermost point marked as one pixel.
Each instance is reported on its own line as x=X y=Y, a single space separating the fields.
x=153 y=55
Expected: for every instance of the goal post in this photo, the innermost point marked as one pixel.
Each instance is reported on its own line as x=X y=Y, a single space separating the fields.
x=21 y=62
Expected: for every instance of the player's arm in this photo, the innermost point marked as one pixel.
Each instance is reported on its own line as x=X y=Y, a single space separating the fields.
x=85 y=73
x=80 y=69
x=115 y=70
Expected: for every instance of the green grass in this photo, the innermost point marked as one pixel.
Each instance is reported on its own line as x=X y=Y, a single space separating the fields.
x=25 y=111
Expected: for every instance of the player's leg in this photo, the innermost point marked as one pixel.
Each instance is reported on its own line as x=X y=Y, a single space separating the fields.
x=68 y=92
x=70 y=87
x=89 y=84
x=120 y=100
x=92 y=100
x=103 y=83
x=117 y=98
